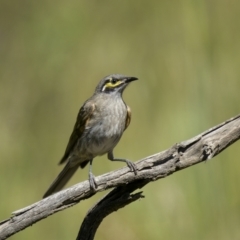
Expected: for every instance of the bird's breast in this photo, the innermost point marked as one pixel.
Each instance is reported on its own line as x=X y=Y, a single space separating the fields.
x=105 y=128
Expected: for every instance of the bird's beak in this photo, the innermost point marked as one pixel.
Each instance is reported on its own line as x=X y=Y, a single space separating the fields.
x=130 y=79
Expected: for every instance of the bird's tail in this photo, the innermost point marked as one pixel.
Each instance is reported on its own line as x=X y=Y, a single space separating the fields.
x=61 y=179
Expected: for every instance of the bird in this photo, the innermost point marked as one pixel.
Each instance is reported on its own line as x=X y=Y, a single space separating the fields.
x=100 y=124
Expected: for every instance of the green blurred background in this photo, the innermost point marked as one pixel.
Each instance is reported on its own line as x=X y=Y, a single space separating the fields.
x=187 y=57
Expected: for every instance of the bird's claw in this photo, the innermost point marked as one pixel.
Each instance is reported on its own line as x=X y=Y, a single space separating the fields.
x=132 y=166
x=92 y=182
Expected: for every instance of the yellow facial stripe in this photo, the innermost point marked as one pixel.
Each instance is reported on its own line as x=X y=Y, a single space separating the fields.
x=112 y=85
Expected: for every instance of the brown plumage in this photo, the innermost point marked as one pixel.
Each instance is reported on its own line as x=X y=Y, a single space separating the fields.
x=100 y=124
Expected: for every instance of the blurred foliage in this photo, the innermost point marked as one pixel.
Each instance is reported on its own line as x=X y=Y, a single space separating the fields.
x=186 y=55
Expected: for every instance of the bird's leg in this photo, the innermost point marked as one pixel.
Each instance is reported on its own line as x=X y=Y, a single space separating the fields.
x=130 y=164
x=91 y=177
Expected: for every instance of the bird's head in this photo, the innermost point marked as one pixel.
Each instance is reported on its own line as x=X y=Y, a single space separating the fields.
x=114 y=83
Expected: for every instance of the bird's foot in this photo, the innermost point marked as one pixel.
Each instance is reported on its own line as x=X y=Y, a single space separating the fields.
x=92 y=182
x=132 y=166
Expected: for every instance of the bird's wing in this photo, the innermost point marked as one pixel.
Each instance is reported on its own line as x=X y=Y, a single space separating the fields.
x=128 y=118
x=82 y=121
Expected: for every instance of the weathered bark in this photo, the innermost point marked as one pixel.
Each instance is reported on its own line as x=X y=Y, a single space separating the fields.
x=182 y=155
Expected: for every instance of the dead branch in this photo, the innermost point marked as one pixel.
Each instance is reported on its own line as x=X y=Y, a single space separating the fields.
x=182 y=155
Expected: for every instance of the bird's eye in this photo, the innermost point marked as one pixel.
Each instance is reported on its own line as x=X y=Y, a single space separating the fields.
x=111 y=84
x=114 y=81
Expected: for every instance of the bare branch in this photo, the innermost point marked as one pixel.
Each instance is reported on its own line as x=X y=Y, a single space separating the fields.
x=116 y=199
x=185 y=154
